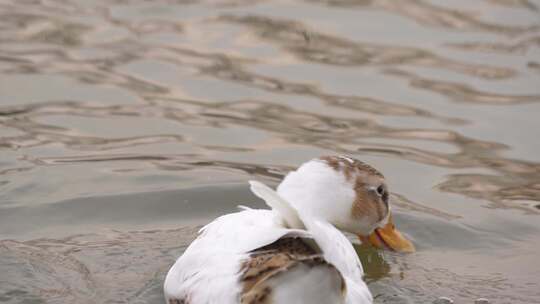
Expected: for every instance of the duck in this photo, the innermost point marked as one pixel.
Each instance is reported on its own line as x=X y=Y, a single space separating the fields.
x=297 y=251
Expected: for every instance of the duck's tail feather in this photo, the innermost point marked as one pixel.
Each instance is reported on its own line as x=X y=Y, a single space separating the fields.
x=277 y=203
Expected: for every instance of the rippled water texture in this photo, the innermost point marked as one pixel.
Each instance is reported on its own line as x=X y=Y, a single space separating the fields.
x=125 y=125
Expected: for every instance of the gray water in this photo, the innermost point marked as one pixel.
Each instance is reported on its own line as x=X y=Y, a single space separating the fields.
x=126 y=125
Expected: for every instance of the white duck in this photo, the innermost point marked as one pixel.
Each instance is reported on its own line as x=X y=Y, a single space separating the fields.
x=293 y=253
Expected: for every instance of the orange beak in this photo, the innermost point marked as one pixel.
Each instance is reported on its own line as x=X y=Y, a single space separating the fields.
x=388 y=237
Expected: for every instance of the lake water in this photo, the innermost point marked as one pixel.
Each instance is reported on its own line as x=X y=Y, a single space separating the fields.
x=126 y=125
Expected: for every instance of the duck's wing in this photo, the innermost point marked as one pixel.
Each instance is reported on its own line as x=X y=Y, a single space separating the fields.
x=209 y=269
x=290 y=271
x=338 y=251
x=336 y=248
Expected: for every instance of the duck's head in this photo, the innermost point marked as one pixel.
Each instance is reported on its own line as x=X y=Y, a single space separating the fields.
x=348 y=193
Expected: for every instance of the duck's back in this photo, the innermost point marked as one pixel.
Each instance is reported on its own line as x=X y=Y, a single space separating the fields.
x=248 y=257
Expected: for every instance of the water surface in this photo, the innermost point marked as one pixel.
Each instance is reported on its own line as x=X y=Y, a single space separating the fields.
x=126 y=125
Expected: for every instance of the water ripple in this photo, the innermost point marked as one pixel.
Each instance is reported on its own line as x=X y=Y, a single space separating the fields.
x=109 y=104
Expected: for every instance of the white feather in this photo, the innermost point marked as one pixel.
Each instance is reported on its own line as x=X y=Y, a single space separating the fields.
x=274 y=201
x=338 y=251
x=335 y=246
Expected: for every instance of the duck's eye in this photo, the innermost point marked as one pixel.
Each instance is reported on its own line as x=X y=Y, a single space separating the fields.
x=380 y=190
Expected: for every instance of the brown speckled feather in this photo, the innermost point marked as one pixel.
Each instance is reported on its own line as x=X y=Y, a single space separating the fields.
x=349 y=166
x=272 y=260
